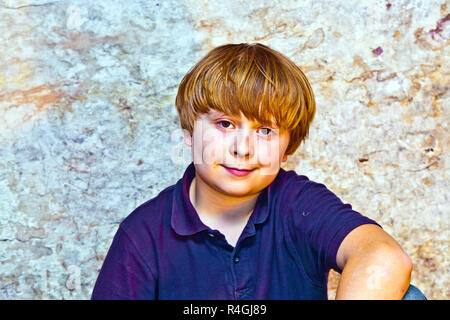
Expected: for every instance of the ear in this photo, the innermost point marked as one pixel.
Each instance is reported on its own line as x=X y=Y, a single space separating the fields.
x=284 y=158
x=187 y=138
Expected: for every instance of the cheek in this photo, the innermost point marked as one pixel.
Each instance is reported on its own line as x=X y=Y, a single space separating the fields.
x=269 y=152
x=211 y=152
x=209 y=147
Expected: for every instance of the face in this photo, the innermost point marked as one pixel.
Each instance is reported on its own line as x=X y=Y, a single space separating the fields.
x=220 y=142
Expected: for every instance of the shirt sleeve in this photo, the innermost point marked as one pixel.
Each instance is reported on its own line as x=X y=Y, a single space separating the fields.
x=124 y=274
x=321 y=221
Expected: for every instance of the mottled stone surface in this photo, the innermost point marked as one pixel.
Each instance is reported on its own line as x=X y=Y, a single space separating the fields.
x=89 y=129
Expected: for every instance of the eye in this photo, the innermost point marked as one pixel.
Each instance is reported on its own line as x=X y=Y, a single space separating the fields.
x=226 y=124
x=266 y=131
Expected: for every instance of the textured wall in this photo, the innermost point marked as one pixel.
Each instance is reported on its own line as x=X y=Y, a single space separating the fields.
x=89 y=130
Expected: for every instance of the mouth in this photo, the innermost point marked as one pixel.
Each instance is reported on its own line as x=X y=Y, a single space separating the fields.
x=237 y=171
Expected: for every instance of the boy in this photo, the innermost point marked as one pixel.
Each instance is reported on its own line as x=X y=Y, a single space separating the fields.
x=237 y=226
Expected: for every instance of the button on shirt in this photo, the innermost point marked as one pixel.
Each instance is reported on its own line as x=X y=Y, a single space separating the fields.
x=162 y=250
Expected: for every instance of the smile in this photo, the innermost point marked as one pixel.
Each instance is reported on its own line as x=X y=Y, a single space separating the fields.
x=238 y=172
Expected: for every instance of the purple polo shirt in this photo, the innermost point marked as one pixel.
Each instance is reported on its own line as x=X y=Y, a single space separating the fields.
x=163 y=251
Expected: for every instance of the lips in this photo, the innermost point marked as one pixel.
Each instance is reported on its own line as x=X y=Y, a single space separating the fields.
x=238 y=169
x=238 y=172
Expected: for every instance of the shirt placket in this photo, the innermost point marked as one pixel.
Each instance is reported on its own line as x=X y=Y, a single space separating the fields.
x=240 y=266
x=236 y=260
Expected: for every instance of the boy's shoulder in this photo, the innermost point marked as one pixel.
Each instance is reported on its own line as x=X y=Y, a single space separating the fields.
x=293 y=189
x=292 y=183
x=150 y=213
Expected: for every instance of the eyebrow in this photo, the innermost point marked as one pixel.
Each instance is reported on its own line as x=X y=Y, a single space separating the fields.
x=217 y=113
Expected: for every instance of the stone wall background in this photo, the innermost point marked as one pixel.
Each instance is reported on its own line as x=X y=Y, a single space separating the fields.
x=89 y=129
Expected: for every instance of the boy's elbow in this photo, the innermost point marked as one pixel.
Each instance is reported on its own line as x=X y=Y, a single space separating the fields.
x=409 y=266
x=403 y=267
x=397 y=259
x=404 y=261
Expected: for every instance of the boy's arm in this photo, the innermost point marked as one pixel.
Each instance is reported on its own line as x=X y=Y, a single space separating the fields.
x=373 y=264
x=124 y=275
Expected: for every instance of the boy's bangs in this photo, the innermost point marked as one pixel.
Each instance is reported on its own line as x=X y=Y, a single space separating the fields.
x=253 y=84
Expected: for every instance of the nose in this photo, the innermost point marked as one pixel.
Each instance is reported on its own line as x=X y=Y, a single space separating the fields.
x=243 y=144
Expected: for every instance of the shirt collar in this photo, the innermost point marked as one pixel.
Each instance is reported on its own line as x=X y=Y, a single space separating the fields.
x=185 y=220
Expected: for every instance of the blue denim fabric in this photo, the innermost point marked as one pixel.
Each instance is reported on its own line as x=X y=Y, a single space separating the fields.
x=413 y=293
